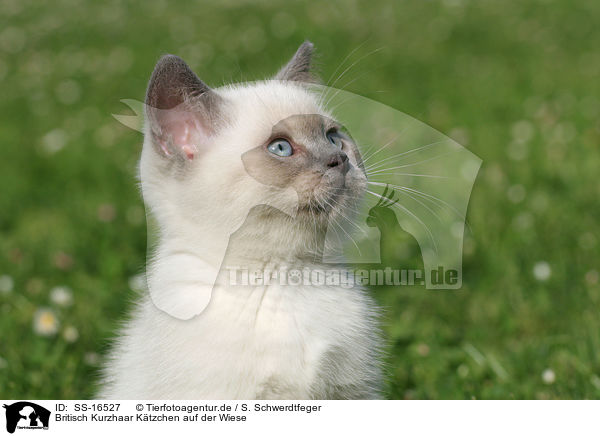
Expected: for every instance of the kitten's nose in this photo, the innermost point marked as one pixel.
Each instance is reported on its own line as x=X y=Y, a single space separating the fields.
x=339 y=159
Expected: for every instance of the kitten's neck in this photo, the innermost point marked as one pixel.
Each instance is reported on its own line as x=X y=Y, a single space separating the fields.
x=266 y=235
x=187 y=265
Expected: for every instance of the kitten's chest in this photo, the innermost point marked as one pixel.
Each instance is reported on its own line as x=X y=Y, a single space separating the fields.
x=270 y=320
x=275 y=343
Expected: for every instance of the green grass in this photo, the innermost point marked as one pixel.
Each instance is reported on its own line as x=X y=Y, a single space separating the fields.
x=515 y=81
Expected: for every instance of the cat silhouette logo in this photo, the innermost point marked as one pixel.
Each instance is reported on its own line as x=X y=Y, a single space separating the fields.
x=26 y=415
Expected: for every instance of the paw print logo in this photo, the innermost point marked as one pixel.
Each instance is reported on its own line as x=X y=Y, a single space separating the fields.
x=294 y=277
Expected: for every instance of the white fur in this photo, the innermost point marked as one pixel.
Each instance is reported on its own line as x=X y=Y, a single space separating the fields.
x=265 y=342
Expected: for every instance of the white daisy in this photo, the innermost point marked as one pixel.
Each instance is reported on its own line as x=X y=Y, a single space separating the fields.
x=542 y=271
x=6 y=284
x=70 y=334
x=61 y=296
x=45 y=322
x=548 y=376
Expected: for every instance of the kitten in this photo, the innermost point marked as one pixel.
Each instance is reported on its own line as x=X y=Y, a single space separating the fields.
x=244 y=176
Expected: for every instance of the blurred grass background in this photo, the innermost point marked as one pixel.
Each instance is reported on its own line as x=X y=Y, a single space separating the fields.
x=515 y=81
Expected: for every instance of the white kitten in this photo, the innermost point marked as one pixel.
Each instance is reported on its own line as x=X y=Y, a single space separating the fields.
x=245 y=176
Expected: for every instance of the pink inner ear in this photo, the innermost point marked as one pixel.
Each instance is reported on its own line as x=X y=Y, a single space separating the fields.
x=183 y=129
x=182 y=138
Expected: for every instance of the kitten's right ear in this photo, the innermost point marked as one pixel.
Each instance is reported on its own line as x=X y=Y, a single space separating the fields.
x=180 y=108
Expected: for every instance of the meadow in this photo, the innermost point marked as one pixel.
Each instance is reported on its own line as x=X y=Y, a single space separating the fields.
x=515 y=81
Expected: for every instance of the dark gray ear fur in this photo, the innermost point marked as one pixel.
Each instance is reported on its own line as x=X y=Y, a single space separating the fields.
x=177 y=99
x=173 y=83
x=299 y=67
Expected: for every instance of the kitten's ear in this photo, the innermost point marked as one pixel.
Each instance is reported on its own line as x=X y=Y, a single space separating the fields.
x=299 y=67
x=180 y=108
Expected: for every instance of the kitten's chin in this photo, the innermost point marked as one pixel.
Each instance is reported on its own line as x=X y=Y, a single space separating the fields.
x=334 y=192
x=334 y=202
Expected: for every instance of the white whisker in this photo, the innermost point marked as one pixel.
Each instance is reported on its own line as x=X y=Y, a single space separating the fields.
x=423 y=161
x=429 y=197
x=383 y=172
x=414 y=150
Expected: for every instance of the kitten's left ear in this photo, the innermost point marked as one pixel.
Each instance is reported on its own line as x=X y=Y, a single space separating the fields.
x=298 y=69
x=181 y=109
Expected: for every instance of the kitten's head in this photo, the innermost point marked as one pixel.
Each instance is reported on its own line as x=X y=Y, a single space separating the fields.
x=211 y=155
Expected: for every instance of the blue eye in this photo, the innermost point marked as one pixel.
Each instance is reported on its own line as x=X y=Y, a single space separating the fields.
x=334 y=137
x=280 y=147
